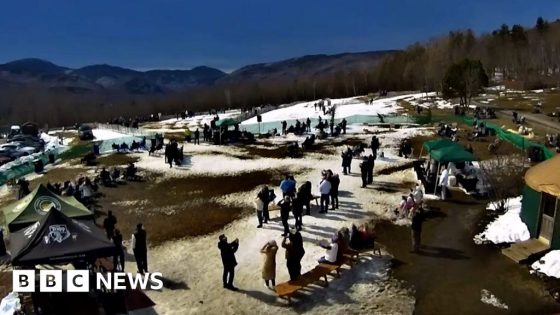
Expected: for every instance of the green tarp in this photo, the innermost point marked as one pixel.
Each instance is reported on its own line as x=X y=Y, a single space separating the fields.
x=226 y=122
x=517 y=140
x=34 y=206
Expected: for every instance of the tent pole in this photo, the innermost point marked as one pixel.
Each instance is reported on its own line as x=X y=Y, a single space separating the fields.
x=437 y=177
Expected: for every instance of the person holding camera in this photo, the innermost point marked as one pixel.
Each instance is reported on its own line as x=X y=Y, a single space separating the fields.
x=227 y=251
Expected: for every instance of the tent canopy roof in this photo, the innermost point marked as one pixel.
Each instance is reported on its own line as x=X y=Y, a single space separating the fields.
x=545 y=177
x=34 y=206
x=452 y=154
x=58 y=239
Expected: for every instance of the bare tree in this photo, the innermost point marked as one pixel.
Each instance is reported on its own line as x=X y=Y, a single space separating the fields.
x=503 y=177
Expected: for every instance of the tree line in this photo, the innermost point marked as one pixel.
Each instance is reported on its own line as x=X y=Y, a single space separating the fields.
x=527 y=56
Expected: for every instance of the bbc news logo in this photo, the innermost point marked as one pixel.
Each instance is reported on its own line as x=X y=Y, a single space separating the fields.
x=79 y=281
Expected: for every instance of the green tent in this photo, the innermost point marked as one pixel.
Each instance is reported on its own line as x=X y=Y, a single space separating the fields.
x=34 y=206
x=226 y=122
x=456 y=153
x=438 y=144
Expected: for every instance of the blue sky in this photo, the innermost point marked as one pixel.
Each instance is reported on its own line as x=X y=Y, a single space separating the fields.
x=227 y=34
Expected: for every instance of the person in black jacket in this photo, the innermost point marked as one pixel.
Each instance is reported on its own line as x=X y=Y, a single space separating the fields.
x=227 y=251
x=371 y=165
x=364 y=167
x=118 y=259
x=335 y=182
x=285 y=209
x=416 y=229
x=140 y=249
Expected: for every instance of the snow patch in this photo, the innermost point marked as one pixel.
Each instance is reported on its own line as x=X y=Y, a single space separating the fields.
x=487 y=297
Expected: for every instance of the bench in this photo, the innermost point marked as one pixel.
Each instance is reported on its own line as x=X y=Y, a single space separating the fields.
x=288 y=289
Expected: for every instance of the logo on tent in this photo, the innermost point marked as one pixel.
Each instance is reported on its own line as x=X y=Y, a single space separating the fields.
x=57 y=233
x=44 y=203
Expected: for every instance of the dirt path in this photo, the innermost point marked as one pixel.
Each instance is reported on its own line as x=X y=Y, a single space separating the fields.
x=451 y=271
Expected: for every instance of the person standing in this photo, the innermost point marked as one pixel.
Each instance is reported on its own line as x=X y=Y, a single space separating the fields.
x=140 y=249
x=305 y=196
x=343 y=125
x=294 y=254
x=118 y=259
x=335 y=182
x=346 y=161
x=196 y=136
x=308 y=125
x=259 y=205
x=269 y=264
x=444 y=182
x=227 y=251
x=325 y=189
x=288 y=186
x=109 y=224
x=416 y=229
x=297 y=210
x=364 y=168
x=371 y=165
x=374 y=145
x=285 y=209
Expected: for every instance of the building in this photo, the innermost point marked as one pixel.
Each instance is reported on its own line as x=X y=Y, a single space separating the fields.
x=539 y=209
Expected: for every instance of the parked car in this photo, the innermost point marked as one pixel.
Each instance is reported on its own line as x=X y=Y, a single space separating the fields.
x=85 y=132
x=16 y=149
x=28 y=141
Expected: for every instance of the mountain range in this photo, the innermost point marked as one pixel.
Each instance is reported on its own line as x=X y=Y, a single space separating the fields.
x=32 y=72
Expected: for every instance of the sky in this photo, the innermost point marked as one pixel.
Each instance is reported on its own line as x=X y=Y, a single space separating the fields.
x=228 y=34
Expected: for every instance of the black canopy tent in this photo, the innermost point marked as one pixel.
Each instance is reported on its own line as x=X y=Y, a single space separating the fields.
x=58 y=239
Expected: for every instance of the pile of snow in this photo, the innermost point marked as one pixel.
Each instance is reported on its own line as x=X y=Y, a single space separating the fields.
x=507 y=228
x=549 y=264
x=487 y=297
x=105 y=134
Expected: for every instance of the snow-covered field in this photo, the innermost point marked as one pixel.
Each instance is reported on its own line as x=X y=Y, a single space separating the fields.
x=507 y=228
x=365 y=289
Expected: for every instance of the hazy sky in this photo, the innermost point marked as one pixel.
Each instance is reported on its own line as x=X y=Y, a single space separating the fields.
x=227 y=34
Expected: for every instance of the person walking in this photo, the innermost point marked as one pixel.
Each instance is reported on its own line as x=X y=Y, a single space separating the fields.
x=416 y=229
x=444 y=182
x=285 y=209
x=364 y=167
x=325 y=190
x=118 y=259
x=196 y=136
x=335 y=182
x=269 y=263
x=294 y=254
x=308 y=125
x=140 y=249
x=109 y=224
x=227 y=251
